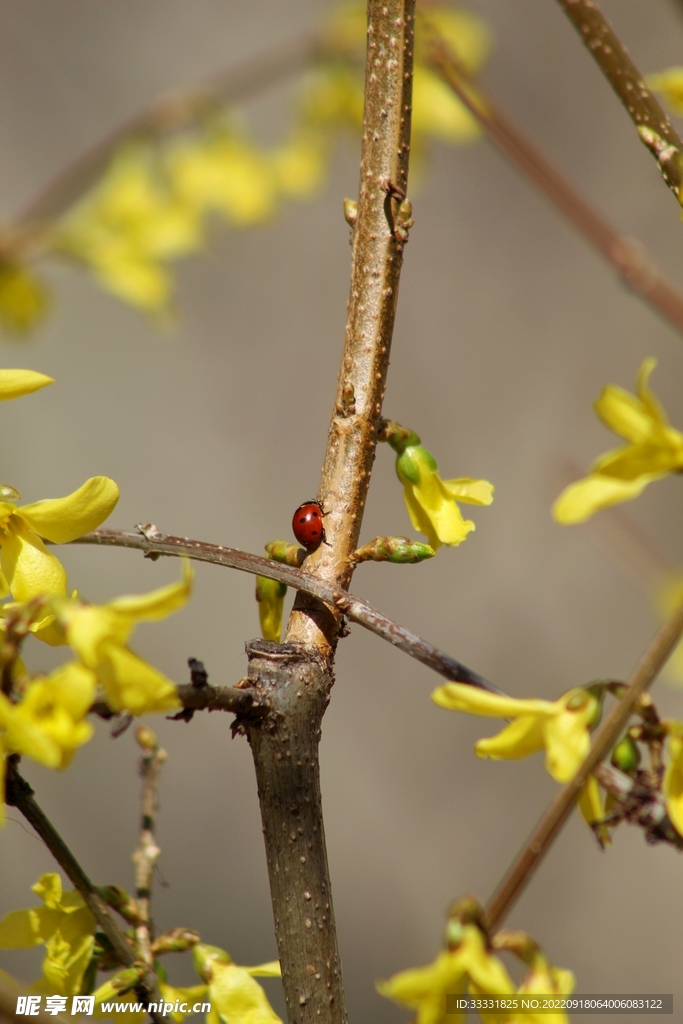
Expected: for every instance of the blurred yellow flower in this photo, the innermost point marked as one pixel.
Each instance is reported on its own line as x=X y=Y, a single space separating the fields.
x=654 y=449
x=469 y=967
x=98 y=634
x=64 y=925
x=24 y=300
x=669 y=84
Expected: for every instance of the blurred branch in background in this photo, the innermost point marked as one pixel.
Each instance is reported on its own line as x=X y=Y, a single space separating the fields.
x=626 y=255
x=654 y=128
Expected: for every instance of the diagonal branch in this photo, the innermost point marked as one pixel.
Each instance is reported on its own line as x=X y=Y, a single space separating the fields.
x=354 y=608
x=626 y=255
x=654 y=128
x=541 y=839
x=20 y=795
x=172 y=112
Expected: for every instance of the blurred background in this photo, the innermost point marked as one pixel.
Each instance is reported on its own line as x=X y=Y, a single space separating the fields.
x=508 y=326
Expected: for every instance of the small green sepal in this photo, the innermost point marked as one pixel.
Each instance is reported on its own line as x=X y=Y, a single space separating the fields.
x=397 y=437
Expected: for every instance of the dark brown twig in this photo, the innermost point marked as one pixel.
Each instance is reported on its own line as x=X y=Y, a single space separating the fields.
x=541 y=839
x=654 y=128
x=354 y=608
x=626 y=255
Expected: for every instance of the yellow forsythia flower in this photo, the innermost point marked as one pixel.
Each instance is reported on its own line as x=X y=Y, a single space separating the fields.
x=28 y=568
x=654 y=449
x=431 y=501
x=560 y=727
x=669 y=84
x=98 y=634
x=469 y=967
x=64 y=925
x=234 y=995
x=128 y=226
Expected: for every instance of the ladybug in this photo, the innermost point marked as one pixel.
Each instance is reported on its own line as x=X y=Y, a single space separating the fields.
x=307 y=525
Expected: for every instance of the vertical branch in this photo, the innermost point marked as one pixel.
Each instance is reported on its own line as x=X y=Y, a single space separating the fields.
x=294 y=679
x=376 y=267
x=147 y=853
x=654 y=128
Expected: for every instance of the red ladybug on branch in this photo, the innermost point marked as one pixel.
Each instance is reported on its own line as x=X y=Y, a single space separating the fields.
x=307 y=525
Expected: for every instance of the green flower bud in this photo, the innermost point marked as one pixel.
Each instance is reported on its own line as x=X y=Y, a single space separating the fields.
x=286 y=553
x=121 y=983
x=626 y=755
x=400 y=550
x=350 y=212
x=177 y=940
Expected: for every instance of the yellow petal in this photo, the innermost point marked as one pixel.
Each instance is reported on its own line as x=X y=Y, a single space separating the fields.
x=158 y=604
x=461 y=697
x=475 y=492
x=521 y=738
x=270 y=970
x=49 y=888
x=24 y=928
x=64 y=519
x=15 y=383
x=486 y=972
x=579 y=501
x=672 y=785
x=22 y=736
x=419 y=517
x=238 y=998
x=624 y=414
x=132 y=684
x=567 y=742
x=29 y=568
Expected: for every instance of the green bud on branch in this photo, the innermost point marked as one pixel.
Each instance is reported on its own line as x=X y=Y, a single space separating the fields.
x=400 y=550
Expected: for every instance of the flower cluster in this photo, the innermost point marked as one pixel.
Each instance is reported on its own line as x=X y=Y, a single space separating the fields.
x=44 y=717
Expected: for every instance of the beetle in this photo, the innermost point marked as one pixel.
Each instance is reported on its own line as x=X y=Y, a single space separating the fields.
x=307 y=524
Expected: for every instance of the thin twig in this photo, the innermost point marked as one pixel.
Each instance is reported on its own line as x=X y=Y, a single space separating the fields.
x=654 y=128
x=627 y=255
x=147 y=852
x=20 y=795
x=169 y=113
x=354 y=608
x=541 y=839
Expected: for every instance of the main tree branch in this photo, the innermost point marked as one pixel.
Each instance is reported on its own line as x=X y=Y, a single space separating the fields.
x=295 y=678
x=654 y=128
